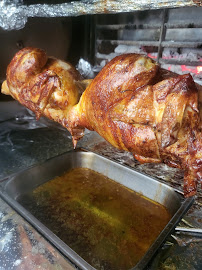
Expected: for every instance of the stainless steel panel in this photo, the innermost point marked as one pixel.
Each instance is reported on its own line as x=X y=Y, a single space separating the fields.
x=29 y=179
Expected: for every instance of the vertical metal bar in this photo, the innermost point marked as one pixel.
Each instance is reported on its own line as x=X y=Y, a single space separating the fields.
x=92 y=40
x=162 y=33
x=95 y=36
x=86 y=38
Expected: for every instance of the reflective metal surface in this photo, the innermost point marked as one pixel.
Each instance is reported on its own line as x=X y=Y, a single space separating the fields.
x=27 y=180
x=14 y=14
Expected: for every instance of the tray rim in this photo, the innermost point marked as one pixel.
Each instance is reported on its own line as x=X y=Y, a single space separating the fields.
x=70 y=254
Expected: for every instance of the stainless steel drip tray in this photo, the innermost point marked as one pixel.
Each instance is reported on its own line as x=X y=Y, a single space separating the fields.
x=27 y=180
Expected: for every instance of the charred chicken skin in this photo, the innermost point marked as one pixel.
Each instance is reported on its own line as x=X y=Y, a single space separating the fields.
x=132 y=103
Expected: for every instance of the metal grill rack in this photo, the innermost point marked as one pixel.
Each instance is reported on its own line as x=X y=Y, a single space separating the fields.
x=173 y=37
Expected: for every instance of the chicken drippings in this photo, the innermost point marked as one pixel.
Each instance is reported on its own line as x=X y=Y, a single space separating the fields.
x=107 y=224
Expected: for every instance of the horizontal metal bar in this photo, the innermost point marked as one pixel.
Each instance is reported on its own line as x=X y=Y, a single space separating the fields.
x=184 y=25
x=167 y=44
x=130 y=42
x=127 y=26
x=148 y=26
x=180 y=62
x=181 y=44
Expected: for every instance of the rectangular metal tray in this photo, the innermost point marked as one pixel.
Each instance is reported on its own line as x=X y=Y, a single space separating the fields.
x=27 y=180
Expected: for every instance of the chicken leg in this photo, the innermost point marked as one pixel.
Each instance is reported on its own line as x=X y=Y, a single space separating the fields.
x=131 y=103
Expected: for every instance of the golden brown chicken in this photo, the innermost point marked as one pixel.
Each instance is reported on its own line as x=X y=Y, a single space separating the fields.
x=132 y=103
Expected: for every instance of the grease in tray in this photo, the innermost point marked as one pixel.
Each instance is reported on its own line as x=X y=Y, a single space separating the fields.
x=107 y=224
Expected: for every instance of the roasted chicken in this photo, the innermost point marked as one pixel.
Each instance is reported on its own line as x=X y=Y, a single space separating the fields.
x=132 y=103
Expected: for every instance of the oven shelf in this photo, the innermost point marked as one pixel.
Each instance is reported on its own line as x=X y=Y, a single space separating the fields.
x=14 y=14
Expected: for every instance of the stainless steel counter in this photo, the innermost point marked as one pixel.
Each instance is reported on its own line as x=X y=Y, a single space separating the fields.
x=25 y=142
x=22 y=247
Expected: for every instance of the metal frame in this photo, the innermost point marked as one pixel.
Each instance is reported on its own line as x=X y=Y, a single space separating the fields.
x=159 y=44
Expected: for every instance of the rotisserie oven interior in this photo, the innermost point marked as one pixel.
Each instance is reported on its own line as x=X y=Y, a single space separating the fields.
x=134 y=78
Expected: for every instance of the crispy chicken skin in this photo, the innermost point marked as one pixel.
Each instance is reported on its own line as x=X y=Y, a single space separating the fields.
x=132 y=103
x=43 y=84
